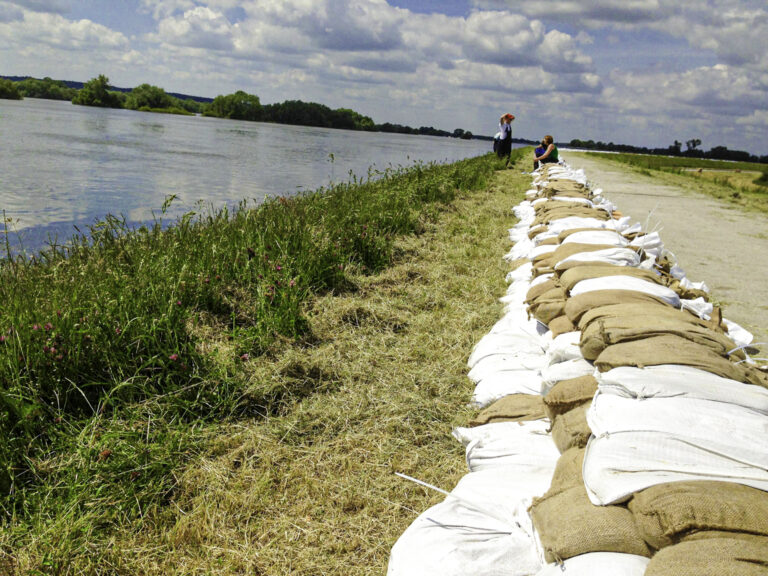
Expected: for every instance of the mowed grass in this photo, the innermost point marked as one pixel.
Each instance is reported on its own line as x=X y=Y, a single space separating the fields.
x=742 y=184
x=295 y=475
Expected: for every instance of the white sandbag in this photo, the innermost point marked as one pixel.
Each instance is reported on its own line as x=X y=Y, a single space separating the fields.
x=551 y=375
x=650 y=241
x=571 y=222
x=521 y=249
x=620 y=225
x=698 y=306
x=612 y=256
x=741 y=432
x=521 y=444
x=507 y=343
x=500 y=384
x=490 y=365
x=524 y=211
x=687 y=284
x=516 y=323
x=636 y=228
x=516 y=292
x=607 y=237
x=674 y=381
x=482 y=528
x=627 y=283
x=598 y=564
x=564 y=347
x=523 y=272
x=619 y=464
x=542 y=249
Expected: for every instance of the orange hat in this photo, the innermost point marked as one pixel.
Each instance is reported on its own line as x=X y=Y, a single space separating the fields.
x=510 y=116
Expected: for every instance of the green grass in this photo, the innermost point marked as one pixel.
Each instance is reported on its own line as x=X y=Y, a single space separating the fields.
x=742 y=184
x=126 y=357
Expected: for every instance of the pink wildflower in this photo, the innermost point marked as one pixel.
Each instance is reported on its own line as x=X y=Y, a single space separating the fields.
x=173 y=357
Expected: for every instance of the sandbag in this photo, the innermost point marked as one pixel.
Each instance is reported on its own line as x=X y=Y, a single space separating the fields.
x=569 y=278
x=617 y=465
x=564 y=251
x=568 y=524
x=609 y=237
x=626 y=283
x=513 y=408
x=577 y=306
x=674 y=381
x=666 y=513
x=540 y=288
x=503 y=383
x=564 y=347
x=521 y=444
x=551 y=375
x=670 y=349
x=570 y=429
x=482 y=528
x=637 y=322
x=712 y=557
x=561 y=325
x=568 y=394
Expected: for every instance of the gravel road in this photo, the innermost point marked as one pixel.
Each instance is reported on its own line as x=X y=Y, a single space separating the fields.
x=714 y=242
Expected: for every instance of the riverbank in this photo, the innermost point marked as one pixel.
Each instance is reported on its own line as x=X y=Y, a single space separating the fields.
x=245 y=468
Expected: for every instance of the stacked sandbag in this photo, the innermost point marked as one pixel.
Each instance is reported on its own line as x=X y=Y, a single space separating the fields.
x=619 y=417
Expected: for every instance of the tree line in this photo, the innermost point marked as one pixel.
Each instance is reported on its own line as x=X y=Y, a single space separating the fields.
x=675 y=149
x=237 y=106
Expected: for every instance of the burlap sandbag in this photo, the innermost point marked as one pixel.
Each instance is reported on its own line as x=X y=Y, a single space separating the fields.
x=670 y=349
x=566 y=395
x=568 y=524
x=666 y=513
x=712 y=557
x=577 y=306
x=541 y=288
x=629 y=322
x=553 y=241
x=555 y=213
x=572 y=276
x=548 y=306
x=567 y=471
x=570 y=429
x=512 y=408
x=515 y=264
x=561 y=325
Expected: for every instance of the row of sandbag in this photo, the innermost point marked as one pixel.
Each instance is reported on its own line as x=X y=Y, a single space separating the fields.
x=673 y=419
x=482 y=527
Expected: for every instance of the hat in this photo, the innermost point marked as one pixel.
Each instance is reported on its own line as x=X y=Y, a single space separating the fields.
x=510 y=116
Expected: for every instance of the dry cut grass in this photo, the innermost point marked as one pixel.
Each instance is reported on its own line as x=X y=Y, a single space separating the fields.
x=311 y=489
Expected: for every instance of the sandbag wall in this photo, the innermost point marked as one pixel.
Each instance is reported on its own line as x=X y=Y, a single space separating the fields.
x=624 y=427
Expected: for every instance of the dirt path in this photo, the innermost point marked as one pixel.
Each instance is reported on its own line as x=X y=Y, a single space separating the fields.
x=713 y=242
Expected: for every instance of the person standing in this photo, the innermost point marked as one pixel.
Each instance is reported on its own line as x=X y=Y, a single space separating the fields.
x=504 y=148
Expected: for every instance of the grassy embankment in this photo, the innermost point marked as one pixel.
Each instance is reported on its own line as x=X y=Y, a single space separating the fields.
x=233 y=395
x=743 y=184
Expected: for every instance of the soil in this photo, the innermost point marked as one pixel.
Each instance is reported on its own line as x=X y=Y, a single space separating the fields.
x=725 y=247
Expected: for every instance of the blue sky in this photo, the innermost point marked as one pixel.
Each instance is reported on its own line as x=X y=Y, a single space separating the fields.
x=644 y=72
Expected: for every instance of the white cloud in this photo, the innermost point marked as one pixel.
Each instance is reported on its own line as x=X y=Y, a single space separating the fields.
x=53 y=30
x=199 y=27
x=52 y=6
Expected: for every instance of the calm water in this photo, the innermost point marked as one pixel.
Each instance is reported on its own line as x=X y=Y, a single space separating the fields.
x=63 y=165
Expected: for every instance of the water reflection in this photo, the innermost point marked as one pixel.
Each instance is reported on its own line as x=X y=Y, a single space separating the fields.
x=63 y=165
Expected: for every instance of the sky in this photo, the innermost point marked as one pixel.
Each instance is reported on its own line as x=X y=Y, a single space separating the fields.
x=640 y=72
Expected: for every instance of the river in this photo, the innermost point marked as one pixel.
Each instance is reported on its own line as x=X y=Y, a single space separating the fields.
x=63 y=166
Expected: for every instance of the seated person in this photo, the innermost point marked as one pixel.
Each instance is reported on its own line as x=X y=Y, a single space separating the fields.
x=550 y=154
x=538 y=152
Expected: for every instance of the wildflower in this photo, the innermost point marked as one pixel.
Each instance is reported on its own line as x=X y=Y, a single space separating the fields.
x=173 y=357
x=48 y=326
x=178 y=302
x=35 y=327
x=292 y=283
x=46 y=349
x=59 y=357
x=278 y=267
x=207 y=280
x=53 y=350
x=245 y=357
x=218 y=277
x=118 y=330
x=341 y=266
x=58 y=313
x=104 y=454
x=2 y=339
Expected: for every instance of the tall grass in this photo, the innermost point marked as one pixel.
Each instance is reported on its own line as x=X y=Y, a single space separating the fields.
x=115 y=328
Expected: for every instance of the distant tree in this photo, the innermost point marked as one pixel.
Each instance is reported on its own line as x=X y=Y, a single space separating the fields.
x=692 y=144
x=467 y=135
x=675 y=148
x=458 y=133
x=147 y=96
x=45 y=88
x=9 y=90
x=96 y=92
x=237 y=106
